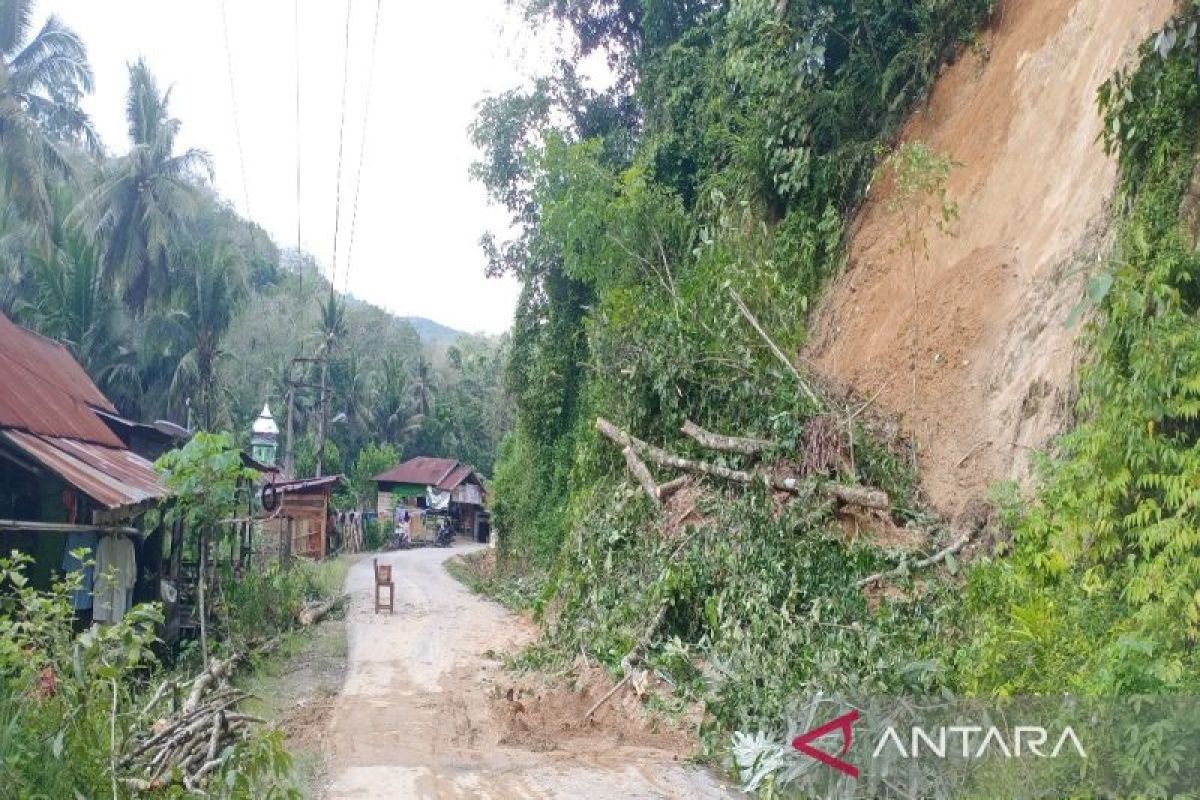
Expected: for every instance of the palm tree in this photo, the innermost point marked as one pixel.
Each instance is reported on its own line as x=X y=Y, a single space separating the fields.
x=332 y=329
x=41 y=81
x=144 y=197
x=356 y=386
x=421 y=388
x=17 y=244
x=332 y=323
x=70 y=305
x=393 y=398
x=207 y=301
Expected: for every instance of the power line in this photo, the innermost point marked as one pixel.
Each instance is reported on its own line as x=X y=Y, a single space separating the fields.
x=337 y=206
x=362 y=148
x=296 y=47
x=237 y=125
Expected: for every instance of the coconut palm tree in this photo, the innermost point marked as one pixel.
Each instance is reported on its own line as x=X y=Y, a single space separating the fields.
x=69 y=305
x=191 y=333
x=41 y=81
x=144 y=198
x=393 y=398
x=422 y=391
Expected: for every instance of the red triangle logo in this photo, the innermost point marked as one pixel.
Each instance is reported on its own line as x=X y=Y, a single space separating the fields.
x=844 y=724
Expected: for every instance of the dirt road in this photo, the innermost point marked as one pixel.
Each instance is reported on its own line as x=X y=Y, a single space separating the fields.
x=423 y=712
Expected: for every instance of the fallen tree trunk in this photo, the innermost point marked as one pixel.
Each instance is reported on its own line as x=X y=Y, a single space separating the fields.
x=938 y=557
x=671 y=487
x=726 y=444
x=311 y=615
x=864 y=496
x=642 y=473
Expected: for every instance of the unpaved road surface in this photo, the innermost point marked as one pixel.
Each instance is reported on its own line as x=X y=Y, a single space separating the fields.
x=422 y=712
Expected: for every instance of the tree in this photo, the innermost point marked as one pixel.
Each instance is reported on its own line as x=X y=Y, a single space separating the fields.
x=372 y=460
x=204 y=478
x=207 y=303
x=145 y=197
x=41 y=82
x=70 y=305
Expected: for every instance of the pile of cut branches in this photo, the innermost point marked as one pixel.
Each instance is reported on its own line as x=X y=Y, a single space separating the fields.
x=190 y=743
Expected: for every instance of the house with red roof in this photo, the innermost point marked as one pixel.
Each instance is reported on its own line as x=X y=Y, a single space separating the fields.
x=68 y=465
x=428 y=487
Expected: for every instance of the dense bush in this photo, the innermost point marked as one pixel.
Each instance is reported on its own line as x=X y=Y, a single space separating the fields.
x=70 y=705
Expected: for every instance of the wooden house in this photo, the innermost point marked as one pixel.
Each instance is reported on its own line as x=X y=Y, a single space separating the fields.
x=295 y=516
x=68 y=467
x=426 y=485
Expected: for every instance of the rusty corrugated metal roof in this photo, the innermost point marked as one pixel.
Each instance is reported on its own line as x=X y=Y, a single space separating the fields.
x=444 y=473
x=112 y=476
x=44 y=390
x=422 y=470
x=456 y=476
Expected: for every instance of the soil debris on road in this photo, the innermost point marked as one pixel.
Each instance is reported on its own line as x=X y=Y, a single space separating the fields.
x=427 y=711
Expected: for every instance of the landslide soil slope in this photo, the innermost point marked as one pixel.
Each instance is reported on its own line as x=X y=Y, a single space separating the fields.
x=994 y=356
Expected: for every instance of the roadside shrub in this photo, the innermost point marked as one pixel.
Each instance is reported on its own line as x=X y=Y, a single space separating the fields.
x=374 y=536
x=70 y=704
x=258 y=604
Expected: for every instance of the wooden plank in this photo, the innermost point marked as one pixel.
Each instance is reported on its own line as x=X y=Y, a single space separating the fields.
x=321 y=541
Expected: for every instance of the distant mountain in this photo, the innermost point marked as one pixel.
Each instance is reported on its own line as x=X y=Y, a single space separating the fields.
x=433 y=332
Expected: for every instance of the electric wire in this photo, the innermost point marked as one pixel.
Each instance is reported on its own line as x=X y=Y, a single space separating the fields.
x=362 y=149
x=337 y=204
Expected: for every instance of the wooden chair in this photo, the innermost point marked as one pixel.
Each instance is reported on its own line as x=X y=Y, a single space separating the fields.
x=383 y=577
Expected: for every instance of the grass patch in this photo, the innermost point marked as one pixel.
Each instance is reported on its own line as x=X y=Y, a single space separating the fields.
x=514 y=588
x=296 y=686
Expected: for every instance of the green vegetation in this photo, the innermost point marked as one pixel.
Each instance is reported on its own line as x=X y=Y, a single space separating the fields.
x=728 y=158
x=722 y=167
x=180 y=309
x=70 y=705
x=729 y=154
x=1100 y=595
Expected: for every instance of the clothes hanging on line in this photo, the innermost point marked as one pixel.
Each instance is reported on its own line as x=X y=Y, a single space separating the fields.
x=81 y=598
x=116 y=574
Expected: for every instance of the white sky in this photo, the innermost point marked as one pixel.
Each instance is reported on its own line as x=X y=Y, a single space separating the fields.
x=419 y=215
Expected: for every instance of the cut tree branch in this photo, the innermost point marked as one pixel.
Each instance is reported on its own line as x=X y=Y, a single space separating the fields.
x=857 y=495
x=726 y=444
x=938 y=557
x=671 y=487
x=787 y=362
x=642 y=473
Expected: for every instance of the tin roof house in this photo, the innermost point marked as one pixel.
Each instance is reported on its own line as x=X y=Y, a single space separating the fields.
x=425 y=485
x=66 y=460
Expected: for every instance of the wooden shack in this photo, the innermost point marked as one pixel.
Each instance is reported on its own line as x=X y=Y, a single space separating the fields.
x=68 y=476
x=294 y=516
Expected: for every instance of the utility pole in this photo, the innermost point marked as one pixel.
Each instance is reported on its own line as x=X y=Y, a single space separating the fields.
x=289 y=462
x=322 y=421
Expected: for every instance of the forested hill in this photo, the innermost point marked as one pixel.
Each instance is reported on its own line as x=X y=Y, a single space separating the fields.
x=433 y=332
x=180 y=309
x=398 y=391
x=683 y=492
